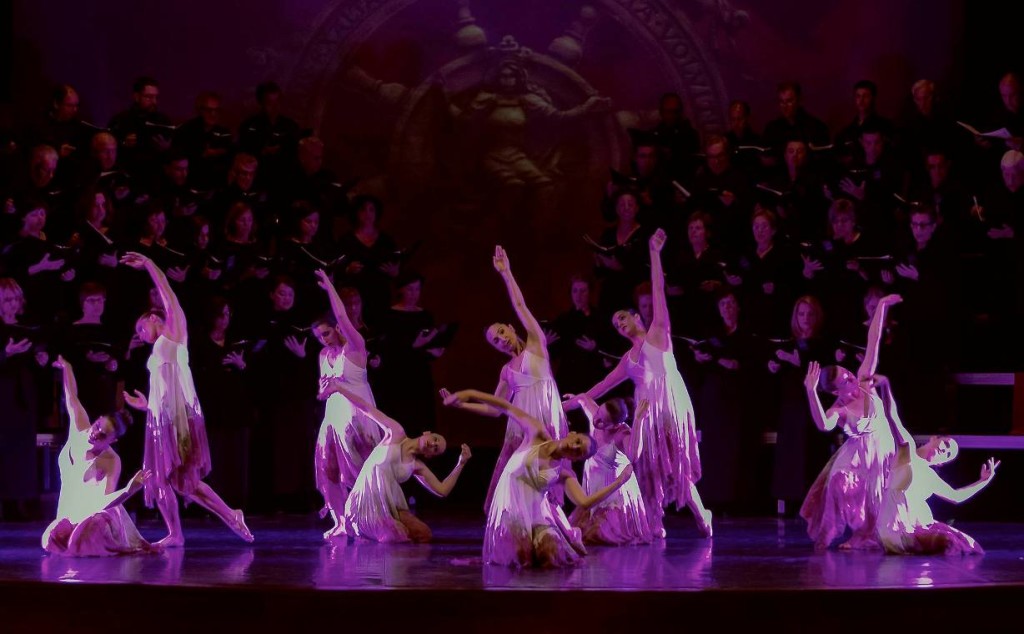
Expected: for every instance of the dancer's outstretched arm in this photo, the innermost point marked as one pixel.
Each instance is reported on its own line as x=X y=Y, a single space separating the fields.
x=659 y=334
x=529 y=424
x=616 y=376
x=575 y=491
x=385 y=422
x=635 y=445
x=899 y=430
x=502 y=392
x=870 y=364
x=355 y=344
x=120 y=496
x=176 y=328
x=942 y=489
x=589 y=407
x=79 y=418
x=535 y=338
x=435 y=486
x=823 y=421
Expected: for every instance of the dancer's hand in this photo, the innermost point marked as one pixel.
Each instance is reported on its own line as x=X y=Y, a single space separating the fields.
x=813 y=375
x=571 y=402
x=642 y=408
x=657 y=241
x=322 y=280
x=328 y=385
x=449 y=399
x=137 y=400
x=501 y=264
x=61 y=363
x=988 y=470
x=465 y=455
x=890 y=300
x=139 y=479
x=627 y=471
x=134 y=260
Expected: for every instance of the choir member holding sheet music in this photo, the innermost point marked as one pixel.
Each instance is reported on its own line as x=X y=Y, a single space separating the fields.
x=143 y=132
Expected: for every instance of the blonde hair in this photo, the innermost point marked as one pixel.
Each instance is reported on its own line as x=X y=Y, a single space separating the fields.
x=9 y=288
x=819 y=313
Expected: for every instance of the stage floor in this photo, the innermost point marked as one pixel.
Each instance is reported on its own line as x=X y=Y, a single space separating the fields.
x=760 y=561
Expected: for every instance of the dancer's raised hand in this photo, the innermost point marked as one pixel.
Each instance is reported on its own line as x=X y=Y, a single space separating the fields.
x=813 y=375
x=657 y=241
x=988 y=470
x=501 y=264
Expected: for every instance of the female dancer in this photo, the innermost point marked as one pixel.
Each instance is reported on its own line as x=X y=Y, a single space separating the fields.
x=525 y=526
x=848 y=492
x=346 y=436
x=176 y=450
x=666 y=455
x=622 y=517
x=526 y=380
x=905 y=522
x=376 y=508
x=90 y=519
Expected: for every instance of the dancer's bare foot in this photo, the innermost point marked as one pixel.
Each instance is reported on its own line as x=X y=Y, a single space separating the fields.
x=860 y=542
x=152 y=549
x=171 y=541
x=336 y=532
x=237 y=524
x=704 y=523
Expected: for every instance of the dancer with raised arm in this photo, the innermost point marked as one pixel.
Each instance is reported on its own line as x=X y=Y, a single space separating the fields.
x=90 y=519
x=376 y=508
x=346 y=435
x=848 y=491
x=622 y=517
x=176 y=449
x=905 y=524
x=526 y=380
x=525 y=527
x=666 y=456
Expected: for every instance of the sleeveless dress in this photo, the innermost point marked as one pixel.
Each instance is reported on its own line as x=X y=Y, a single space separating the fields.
x=621 y=518
x=848 y=491
x=83 y=528
x=905 y=521
x=532 y=389
x=376 y=498
x=669 y=459
x=524 y=526
x=346 y=435
x=176 y=450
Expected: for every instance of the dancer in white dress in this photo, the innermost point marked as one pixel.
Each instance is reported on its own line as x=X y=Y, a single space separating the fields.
x=346 y=435
x=176 y=452
x=847 y=494
x=526 y=380
x=622 y=517
x=525 y=527
x=666 y=456
x=376 y=507
x=905 y=523
x=90 y=519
